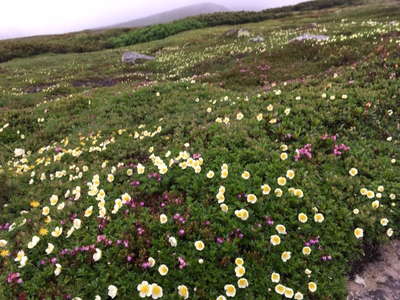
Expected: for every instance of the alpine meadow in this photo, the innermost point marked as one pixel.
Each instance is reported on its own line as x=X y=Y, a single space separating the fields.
x=245 y=155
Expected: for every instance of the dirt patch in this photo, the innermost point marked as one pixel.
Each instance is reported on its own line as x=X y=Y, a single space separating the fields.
x=105 y=82
x=380 y=279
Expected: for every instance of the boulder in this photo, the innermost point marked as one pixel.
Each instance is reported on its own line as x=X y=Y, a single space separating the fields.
x=231 y=33
x=132 y=57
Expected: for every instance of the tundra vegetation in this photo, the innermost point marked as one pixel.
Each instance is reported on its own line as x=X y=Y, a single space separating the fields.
x=223 y=168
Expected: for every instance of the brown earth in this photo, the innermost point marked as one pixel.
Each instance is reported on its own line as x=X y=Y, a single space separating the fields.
x=380 y=279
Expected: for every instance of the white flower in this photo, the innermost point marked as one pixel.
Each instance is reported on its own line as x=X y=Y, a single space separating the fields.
x=33 y=243
x=50 y=248
x=77 y=223
x=57 y=271
x=19 y=152
x=172 y=241
x=112 y=291
x=97 y=255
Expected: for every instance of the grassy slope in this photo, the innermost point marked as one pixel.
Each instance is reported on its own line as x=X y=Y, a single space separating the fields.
x=92 y=96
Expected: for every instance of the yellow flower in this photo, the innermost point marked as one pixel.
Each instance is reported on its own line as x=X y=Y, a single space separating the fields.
x=53 y=200
x=45 y=211
x=242 y=283
x=224 y=207
x=359 y=232
x=156 y=291
x=312 y=287
x=275 y=240
x=284 y=147
x=306 y=250
x=57 y=231
x=224 y=173
x=163 y=270
x=110 y=177
x=230 y=290
x=363 y=191
x=298 y=193
x=275 y=277
x=210 y=174
x=266 y=189
x=284 y=156
x=242 y=214
x=246 y=175
x=280 y=289
x=375 y=204
x=240 y=271
x=370 y=194
x=89 y=211
x=286 y=255
x=353 y=172
x=239 y=116
x=298 y=296
x=183 y=291
x=220 y=197
x=270 y=107
x=281 y=181
x=34 y=204
x=259 y=117
x=281 y=229
x=319 y=218
x=289 y=293
x=239 y=261
x=389 y=232
x=199 y=245
x=278 y=192
x=221 y=297
x=4 y=253
x=290 y=174
x=43 y=231
x=384 y=221
x=251 y=198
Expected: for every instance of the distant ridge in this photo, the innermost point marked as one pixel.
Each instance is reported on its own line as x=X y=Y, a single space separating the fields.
x=172 y=15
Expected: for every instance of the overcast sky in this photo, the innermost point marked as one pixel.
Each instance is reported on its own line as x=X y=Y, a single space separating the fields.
x=33 y=17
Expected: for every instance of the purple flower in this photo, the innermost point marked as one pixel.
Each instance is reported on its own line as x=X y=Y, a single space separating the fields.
x=306 y=151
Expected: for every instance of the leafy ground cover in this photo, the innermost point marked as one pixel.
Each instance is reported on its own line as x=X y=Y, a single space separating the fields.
x=222 y=169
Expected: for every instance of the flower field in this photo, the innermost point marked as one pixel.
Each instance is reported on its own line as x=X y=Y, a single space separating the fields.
x=223 y=169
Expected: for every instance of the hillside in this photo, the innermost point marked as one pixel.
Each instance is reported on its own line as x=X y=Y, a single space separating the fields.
x=94 y=40
x=172 y=15
x=223 y=168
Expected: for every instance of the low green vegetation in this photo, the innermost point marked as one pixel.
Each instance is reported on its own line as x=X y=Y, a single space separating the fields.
x=223 y=168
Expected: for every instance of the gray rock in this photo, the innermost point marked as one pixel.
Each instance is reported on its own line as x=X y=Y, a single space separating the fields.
x=257 y=39
x=308 y=36
x=236 y=33
x=131 y=57
x=231 y=32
